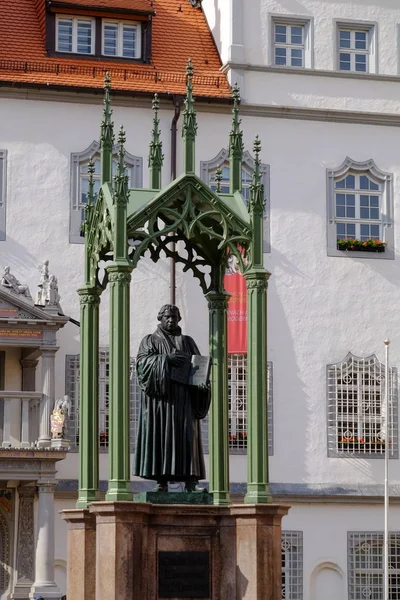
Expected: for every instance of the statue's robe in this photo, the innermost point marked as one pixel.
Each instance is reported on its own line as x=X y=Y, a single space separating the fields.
x=168 y=444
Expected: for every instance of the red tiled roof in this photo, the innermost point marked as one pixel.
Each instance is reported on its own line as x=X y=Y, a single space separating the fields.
x=144 y=5
x=177 y=34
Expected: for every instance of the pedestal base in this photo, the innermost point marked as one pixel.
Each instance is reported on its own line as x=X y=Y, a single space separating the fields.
x=149 y=551
x=60 y=444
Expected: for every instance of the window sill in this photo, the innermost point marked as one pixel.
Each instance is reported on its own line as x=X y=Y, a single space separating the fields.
x=97 y=57
x=366 y=249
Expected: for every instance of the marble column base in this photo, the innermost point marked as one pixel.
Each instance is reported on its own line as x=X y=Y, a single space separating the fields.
x=81 y=554
x=238 y=549
x=51 y=591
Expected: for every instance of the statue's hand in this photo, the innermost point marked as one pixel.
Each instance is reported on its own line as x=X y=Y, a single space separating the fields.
x=176 y=359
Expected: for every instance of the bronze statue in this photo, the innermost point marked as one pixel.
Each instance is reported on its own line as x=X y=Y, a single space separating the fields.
x=168 y=445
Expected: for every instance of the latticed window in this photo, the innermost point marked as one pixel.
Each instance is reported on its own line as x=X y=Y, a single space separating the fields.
x=366 y=565
x=221 y=161
x=80 y=181
x=358 y=201
x=357 y=423
x=72 y=389
x=237 y=393
x=292 y=565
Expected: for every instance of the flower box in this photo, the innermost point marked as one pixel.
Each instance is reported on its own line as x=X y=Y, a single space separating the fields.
x=350 y=245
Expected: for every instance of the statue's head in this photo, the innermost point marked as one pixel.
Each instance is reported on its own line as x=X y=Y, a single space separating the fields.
x=169 y=316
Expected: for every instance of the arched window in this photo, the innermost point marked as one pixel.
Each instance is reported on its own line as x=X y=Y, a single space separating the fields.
x=208 y=170
x=80 y=181
x=357 y=424
x=360 y=211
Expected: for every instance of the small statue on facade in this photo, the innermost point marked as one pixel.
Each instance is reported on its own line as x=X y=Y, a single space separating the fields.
x=9 y=281
x=47 y=294
x=59 y=418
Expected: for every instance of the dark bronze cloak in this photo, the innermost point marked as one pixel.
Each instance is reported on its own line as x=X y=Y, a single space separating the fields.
x=168 y=443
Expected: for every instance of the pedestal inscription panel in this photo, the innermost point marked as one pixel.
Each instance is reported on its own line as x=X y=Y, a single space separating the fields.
x=184 y=575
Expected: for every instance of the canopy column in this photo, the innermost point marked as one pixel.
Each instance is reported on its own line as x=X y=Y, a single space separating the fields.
x=89 y=397
x=119 y=276
x=256 y=281
x=218 y=436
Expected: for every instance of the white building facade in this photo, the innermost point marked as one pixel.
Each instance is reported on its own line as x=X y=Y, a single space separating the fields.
x=319 y=85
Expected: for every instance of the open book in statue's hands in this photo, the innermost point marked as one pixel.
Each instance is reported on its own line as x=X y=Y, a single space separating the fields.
x=195 y=370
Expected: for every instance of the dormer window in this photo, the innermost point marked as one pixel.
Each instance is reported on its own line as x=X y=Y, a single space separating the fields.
x=121 y=39
x=75 y=35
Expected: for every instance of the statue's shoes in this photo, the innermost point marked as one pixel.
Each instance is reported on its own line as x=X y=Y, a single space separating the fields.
x=161 y=487
x=195 y=487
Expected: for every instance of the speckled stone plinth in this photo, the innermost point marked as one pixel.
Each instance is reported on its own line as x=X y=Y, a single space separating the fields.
x=193 y=498
x=240 y=543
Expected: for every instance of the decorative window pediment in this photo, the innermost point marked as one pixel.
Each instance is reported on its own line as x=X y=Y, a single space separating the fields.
x=80 y=181
x=357 y=424
x=360 y=211
x=208 y=171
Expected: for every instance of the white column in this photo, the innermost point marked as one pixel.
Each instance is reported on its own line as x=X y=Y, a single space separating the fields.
x=44 y=564
x=47 y=401
x=7 y=418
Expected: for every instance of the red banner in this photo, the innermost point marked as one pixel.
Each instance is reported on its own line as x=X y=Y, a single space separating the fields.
x=235 y=285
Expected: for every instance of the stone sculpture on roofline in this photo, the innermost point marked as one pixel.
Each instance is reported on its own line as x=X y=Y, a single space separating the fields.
x=47 y=294
x=9 y=281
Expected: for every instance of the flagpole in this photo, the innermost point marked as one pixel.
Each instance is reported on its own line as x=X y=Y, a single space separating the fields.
x=386 y=491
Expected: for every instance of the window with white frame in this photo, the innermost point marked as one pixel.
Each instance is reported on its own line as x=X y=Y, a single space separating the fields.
x=360 y=208
x=365 y=552
x=75 y=35
x=357 y=424
x=292 y=565
x=3 y=190
x=291 y=42
x=208 y=170
x=80 y=182
x=121 y=39
x=237 y=397
x=72 y=372
x=356 y=48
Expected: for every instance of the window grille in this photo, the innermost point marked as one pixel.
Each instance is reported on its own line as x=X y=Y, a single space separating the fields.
x=4 y=555
x=72 y=389
x=365 y=565
x=292 y=565
x=221 y=161
x=121 y=39
x=75 y=35
x=80 y=181
x=237 y=395
x=357 y=425
x=237 y=403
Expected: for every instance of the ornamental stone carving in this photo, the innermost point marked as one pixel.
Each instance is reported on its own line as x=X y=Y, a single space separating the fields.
x=121 y=276
x=26 y=541
x=9 y=281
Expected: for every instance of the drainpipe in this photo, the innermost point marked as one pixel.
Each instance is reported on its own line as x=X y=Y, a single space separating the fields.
x=178 y=102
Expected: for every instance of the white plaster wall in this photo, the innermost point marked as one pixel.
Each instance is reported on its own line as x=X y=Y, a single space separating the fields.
x=325 y=528
x=253 y=33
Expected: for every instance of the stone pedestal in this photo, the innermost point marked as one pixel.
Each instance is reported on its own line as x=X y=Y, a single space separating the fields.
x=81 y=561
x=146 y=551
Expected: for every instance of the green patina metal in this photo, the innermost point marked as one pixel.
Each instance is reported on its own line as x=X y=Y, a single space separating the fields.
x=156 y=157
x=123 y=224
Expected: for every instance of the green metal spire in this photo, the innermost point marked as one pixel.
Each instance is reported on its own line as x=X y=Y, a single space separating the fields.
x=121 y=190
x=218 y=179
x=90 y=199
x=235 y=145
x=107 y=134
x=189 y=127
x=156 y=157
x=256 y=205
